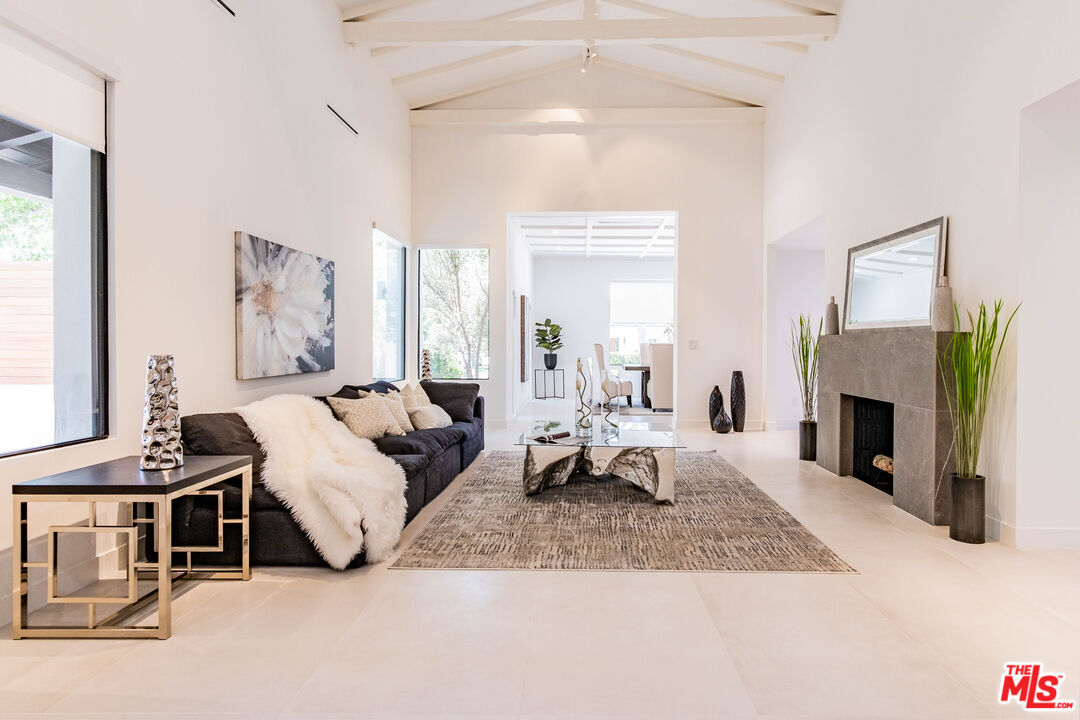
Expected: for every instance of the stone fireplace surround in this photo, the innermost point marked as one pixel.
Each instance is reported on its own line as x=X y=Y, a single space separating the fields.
x=898 y=366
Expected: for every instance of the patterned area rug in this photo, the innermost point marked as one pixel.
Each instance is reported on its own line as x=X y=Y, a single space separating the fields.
x=720 y=522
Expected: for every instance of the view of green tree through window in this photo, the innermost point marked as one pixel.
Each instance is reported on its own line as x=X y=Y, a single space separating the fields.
x=52 y=290
x=454 y=311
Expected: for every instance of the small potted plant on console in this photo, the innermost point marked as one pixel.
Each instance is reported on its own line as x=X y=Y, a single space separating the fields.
x=549 y=337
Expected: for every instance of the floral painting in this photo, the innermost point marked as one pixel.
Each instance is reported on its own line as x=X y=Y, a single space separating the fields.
x=284 y=310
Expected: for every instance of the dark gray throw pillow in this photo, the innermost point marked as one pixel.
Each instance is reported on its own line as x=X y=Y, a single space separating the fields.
x=221 y=434
x=457 y=399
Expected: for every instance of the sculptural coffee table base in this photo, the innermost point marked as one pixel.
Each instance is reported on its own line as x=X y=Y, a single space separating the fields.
x=650 y=468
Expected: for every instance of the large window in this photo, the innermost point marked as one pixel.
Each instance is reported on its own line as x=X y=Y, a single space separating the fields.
x=454 y=312
x=640 y=312
x=52 y=289
x=388 y=306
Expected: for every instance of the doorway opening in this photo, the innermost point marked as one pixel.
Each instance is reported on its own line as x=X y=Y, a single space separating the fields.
x=607 y=279
x=795 y=286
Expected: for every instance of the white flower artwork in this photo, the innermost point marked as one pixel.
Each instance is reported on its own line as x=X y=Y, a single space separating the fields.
x=284 y=310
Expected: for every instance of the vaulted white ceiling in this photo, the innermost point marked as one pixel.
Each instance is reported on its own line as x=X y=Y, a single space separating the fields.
x=651 y=59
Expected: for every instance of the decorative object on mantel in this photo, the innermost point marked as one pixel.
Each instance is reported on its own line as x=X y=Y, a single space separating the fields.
x=425 y=364
x=284 y=310
x=891 y=280
x=804 y=352
x=161 y=448
x=944 y=317
x=738 y=401
x=832 y=317
x=971 y=362
x=549 y=337
x=718 y=417
x=583 y=408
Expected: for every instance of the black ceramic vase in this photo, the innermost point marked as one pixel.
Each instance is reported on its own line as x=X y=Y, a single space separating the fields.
x=808 y=440
x=550 y=360
x=738 y=401
x=718 y=417
x=967 y=517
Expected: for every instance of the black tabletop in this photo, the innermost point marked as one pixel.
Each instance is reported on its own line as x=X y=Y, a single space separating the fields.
x=124 y=477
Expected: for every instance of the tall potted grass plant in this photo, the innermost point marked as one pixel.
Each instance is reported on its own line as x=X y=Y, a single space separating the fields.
x=804 y=353
x=971 y=361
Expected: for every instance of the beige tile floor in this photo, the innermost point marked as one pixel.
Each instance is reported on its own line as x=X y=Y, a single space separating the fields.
x=921 y=632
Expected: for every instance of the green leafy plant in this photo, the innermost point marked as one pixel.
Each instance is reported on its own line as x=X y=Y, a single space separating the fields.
x=972 y=357
x=804 y=352
x=549 y=336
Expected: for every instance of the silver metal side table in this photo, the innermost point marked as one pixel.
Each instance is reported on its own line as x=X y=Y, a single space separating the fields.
x=122 y=481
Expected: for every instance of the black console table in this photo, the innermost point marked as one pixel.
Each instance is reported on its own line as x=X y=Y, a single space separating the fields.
x=121 y=481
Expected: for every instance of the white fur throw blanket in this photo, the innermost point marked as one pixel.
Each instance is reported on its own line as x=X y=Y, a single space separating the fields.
x=344 y=493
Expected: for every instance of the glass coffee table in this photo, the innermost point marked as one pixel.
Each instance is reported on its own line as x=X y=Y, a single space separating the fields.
x=636 y=453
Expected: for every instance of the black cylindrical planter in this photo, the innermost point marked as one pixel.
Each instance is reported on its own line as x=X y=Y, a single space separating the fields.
x=550 y=360
x=738 y=401
x=967 y=519
x=808 y=440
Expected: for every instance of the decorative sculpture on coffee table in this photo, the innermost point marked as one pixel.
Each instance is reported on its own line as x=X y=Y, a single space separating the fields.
x=425 y=364
x=583 y=396
x=738 y=401
x=718 y=417
x=161 y=449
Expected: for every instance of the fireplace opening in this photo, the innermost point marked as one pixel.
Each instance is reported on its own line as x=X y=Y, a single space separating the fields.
x=872 y=443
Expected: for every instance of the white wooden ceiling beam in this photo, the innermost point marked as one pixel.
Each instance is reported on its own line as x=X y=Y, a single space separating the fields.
x=373 y=8
x=678 y=81
x=588 y=236
x=570 y=117
x=499 y=82
x=672 y=14
x=829 y=7
x=457 y=65
x=719 y=62
x=653 y=239
x=508 y=15
x=575 y=32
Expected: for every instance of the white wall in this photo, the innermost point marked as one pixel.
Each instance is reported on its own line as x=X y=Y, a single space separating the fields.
x=466 y=181
x=1048 y=496
x=796 y=286
x=217 y=125
x=573 y=291
x=521 y=279
x=911 y=112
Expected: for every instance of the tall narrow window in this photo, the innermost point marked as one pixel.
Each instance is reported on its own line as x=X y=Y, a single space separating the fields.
x=388 y=304
x=454 y=312
x=640 y=312
x=52 y=289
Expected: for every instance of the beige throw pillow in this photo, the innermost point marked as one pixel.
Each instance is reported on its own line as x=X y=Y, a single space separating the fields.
x=393 y=401
x=413 y=397
x=369 y=417
x=430 y=416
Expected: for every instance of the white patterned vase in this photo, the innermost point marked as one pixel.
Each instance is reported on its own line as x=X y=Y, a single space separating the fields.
x=161 y=448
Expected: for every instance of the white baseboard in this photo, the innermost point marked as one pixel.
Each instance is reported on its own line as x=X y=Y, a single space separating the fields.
x=1046 y=538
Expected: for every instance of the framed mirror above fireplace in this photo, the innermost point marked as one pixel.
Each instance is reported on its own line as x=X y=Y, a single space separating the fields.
x=891 y=280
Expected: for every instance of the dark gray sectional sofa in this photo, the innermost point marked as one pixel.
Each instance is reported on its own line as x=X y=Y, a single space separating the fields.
x=431 y=460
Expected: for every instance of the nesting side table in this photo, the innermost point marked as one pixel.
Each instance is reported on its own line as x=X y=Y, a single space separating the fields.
x=121 y=481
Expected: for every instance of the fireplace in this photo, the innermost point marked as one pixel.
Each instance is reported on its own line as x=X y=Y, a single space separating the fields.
x=882 y=391
x=872 y=438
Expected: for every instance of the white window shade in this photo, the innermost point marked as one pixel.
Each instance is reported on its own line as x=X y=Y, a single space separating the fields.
x=642 y=303
x=46 y=90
